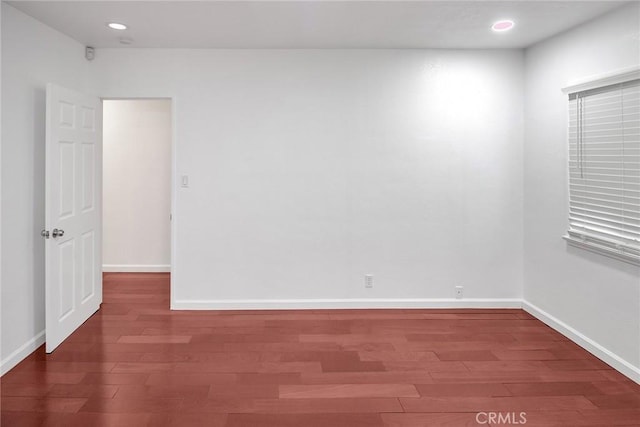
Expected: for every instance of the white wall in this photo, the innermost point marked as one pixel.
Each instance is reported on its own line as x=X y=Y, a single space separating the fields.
x=136 y=185
x=311 y=168
x=597 y=297
x=32 y=55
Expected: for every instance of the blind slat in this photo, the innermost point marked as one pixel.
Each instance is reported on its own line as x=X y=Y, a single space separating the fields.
x=602 y=213
x=606 y=205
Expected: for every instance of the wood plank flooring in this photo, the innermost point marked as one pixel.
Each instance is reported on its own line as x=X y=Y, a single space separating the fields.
x=135 y=363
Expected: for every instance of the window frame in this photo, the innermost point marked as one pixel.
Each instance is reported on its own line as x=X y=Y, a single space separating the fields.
x=598 y=244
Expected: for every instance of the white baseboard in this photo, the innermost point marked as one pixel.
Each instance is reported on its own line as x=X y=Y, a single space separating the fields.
x=626 y=368
x=21 y=353
x=358 y=303
x=621 y=365
x=129 y=268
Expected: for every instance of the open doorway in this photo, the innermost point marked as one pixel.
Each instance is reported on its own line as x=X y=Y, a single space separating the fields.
x=130 y=175
x=137 y=138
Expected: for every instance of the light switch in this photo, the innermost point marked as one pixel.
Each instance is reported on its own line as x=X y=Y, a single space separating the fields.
x=184 y=181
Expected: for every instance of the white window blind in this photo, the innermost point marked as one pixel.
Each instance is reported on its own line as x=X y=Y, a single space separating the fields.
x=604 y=170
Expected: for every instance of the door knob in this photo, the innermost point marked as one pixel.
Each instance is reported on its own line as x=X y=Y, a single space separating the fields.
x=57 y=233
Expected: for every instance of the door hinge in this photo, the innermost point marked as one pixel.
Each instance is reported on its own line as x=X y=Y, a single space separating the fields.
x=45 y=234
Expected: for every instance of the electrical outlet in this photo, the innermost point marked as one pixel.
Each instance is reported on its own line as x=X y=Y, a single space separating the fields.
x=459 y=292
x=368 y=280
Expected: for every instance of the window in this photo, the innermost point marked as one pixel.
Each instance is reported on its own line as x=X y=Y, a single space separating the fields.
x=604 y=169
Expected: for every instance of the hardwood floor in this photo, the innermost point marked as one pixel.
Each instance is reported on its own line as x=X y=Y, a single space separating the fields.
x=135 y=363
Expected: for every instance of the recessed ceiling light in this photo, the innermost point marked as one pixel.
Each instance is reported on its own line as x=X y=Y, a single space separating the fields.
x=502 y=25
x=116 y=26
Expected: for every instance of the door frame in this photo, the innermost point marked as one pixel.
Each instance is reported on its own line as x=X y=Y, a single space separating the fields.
x=174 y=179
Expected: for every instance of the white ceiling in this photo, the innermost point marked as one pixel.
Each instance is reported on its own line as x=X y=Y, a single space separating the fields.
x=313 y=24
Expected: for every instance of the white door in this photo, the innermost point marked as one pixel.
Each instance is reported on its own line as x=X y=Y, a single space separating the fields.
x=73 y=223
